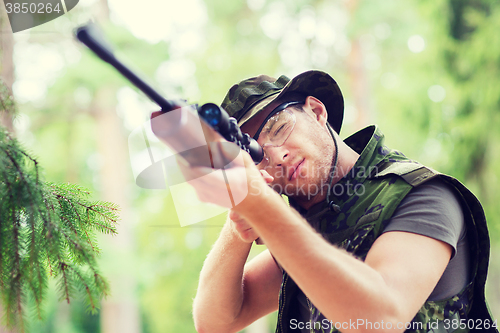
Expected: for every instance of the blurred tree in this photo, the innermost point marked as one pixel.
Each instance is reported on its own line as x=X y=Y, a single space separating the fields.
x=6 y=65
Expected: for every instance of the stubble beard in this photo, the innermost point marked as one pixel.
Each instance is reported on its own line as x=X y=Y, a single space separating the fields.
x=312 y=183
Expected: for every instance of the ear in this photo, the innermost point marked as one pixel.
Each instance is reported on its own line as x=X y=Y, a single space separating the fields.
x=318 y=109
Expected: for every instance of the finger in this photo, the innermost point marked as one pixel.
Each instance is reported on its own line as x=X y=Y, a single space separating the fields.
x=245 y=233
x=267 y=177
x=241 y=224
x=242 y=227
x=233 y=216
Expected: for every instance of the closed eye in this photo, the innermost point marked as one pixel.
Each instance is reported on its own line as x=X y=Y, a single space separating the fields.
x=279 y=129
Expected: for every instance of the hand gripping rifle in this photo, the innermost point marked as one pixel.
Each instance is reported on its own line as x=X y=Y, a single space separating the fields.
x=177 y=124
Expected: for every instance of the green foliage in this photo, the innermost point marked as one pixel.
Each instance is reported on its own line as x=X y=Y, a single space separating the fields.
x=47 y=230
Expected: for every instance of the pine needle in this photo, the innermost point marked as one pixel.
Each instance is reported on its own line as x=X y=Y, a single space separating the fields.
x=47 y=231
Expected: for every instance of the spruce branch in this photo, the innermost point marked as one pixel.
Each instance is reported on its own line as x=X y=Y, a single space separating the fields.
x=47 y=230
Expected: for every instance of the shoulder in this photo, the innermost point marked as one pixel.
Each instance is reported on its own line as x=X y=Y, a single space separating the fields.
x=434 y=194
x=431 y=209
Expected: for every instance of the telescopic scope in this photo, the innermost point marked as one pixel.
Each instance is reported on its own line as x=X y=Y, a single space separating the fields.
x=227 y=126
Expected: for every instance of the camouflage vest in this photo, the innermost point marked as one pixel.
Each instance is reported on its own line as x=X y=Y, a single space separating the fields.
x=363 y=203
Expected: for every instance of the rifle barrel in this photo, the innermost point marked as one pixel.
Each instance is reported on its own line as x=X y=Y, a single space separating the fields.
x=91 y=36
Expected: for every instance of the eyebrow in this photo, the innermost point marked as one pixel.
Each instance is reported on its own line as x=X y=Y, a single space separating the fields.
x=276 y=110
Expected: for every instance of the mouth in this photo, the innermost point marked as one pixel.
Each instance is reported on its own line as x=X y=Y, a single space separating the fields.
x=295 y=170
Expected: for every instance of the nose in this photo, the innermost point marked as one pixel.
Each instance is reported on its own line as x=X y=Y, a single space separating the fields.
x=277 y=155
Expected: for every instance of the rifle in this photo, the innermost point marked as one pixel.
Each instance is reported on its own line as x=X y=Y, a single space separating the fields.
x=194 y=133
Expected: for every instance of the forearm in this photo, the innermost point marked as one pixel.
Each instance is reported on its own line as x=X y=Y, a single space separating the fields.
x=219 y=297
x=341 y=286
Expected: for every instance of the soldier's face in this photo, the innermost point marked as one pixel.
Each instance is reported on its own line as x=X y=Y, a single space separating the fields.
x=301 y=166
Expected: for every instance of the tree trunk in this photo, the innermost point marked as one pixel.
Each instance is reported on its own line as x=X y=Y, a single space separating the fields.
x=119 y=311
x=7 y=64
x=359 y=85
x=358 y=77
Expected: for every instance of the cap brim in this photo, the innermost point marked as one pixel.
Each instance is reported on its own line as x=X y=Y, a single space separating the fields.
x=259 y=106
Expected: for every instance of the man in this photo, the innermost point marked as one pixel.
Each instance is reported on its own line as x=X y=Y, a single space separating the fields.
x=370 y=240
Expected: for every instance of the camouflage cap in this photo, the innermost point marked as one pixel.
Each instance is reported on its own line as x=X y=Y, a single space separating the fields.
x=245 y=99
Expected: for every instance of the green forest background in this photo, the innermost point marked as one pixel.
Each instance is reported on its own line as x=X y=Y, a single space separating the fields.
x=427 y=72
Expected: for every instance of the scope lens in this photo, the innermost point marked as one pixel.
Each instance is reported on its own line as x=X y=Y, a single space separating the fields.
x=211 y=114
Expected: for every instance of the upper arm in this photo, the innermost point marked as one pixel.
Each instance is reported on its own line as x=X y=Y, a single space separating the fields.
x=411 y=266
x=261 y=285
